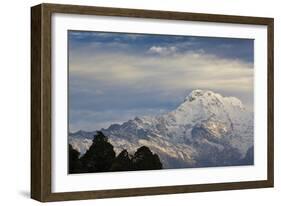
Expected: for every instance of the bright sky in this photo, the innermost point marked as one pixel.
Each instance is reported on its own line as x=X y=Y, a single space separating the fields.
x=114 y=77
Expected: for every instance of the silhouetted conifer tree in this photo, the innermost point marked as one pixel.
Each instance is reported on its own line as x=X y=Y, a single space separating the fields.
x=144 y=159
x=74 y=164
x=100 y=155
x=122 y=162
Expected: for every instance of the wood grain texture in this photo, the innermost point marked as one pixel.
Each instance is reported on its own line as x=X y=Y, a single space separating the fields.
x=123 y=12
x=41 y=174
x=36 y=58
x=40 y=102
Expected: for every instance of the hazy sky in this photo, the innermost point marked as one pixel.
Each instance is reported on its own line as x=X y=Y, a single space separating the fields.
x=114 y=77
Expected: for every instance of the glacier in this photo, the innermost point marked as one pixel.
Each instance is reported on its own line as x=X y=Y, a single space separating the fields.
x=207 y=129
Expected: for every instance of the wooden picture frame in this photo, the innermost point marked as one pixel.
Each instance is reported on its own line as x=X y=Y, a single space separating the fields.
x=41 y=116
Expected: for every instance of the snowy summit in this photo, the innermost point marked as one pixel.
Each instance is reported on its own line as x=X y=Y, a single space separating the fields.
x=206 y=129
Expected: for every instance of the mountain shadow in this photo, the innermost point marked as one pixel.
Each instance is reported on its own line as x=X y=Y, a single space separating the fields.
x=101 y=157
x=249 y=157
x=211 y=156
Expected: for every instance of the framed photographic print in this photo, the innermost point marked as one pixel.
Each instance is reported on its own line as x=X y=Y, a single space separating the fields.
x=132 y=102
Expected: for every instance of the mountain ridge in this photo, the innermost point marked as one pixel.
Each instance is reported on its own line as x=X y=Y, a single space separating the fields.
x=205 y=126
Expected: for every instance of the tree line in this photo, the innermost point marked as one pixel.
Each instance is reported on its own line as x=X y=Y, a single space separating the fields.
x=101 y=157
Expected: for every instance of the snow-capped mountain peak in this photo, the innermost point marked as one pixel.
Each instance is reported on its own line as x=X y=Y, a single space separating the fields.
x=204 y=123
x=201 y=105
x=210 y=98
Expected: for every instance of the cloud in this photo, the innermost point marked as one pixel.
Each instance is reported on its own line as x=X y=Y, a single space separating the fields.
x=182 y=71
x=102 y=36
x=162 y=50
x=112 y=81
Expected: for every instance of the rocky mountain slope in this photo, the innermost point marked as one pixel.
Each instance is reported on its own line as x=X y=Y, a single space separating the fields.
x=207 y=129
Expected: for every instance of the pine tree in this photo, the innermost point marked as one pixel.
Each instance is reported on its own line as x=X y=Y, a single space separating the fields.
x=100 y=155
x=144 y=159
x=74 y=164
x=122 y=162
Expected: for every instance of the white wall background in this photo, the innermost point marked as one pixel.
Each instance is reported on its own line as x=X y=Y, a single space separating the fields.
x=15 y=102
